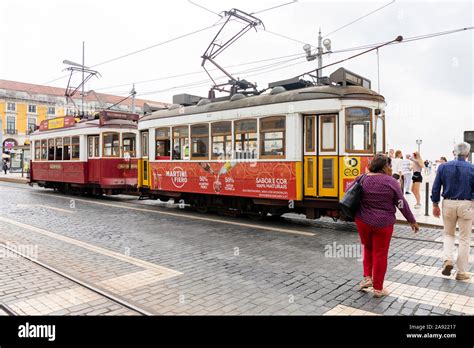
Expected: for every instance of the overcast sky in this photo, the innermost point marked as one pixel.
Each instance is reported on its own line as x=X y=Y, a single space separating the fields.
x=428 y=84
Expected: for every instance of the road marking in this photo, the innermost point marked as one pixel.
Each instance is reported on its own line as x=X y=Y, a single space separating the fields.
x=45 y=206
x=96 y=249
x=346 y=310
x=424 y=270
x=438 y=254
x=267 y=228
x=133 y=280
x=50 y=303
x=448 y=300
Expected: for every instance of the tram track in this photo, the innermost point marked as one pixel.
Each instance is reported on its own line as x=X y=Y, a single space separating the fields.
x=76 y=280
x=288 y=220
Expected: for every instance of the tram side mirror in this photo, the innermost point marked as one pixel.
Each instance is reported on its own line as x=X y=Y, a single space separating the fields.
x=378 y=111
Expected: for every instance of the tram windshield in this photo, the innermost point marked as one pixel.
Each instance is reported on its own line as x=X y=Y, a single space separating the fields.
x=358 y=130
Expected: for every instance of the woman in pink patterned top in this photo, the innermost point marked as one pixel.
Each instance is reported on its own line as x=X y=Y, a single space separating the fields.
x=381 y=195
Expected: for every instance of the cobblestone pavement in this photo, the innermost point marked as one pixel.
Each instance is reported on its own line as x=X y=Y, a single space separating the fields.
x=168 y=260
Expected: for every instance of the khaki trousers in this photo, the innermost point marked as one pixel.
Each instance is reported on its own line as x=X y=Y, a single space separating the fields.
x=461 y=213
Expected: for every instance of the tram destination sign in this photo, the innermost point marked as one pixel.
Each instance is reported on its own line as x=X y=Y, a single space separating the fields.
x=106 y=115
x=57 y=123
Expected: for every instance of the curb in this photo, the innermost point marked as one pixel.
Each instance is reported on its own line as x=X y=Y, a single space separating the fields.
x=15 y=180
x=421 y=224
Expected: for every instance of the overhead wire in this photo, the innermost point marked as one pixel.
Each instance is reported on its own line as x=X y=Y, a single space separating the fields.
x=370 y=46
x=359 y=19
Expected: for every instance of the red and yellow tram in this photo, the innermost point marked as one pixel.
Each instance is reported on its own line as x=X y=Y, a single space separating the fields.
x=94 y=156
x=294 y=149
x=291 y=150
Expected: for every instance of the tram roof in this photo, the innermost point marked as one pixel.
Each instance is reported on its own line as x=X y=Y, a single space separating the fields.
x=85 y=124
x=307 y=93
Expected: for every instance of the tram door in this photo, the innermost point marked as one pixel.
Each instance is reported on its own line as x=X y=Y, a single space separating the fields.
x=320 y=155
x=145 y=164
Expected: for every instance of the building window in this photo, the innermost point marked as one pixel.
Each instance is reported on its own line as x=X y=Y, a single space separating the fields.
x=11 y=107
x=75 y=150
x=245 y=139
x=221 y=140
x=180 y=143
x=32 y=109
x=11 y=129
x=66 y=148
x=358 y=130
x=44 y=150
x=50 y=149
x=129 y=144
x=200 y=141
x=37 y=150
x=328 y=132
x=272 y=135
x=59 y=149
x=162 y=149
x=51 y=110
x=31 y=125
x=111 y=145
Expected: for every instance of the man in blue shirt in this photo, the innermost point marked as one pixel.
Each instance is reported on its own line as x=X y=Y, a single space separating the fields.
x=457 y=179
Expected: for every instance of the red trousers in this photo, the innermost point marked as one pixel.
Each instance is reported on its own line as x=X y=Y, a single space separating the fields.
x=375 y=242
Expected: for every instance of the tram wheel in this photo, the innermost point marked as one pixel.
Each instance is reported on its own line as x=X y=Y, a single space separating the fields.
x=257 y=216
x=203 y=209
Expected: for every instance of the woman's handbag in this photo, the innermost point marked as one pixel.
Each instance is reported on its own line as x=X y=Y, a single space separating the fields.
x=350 y=203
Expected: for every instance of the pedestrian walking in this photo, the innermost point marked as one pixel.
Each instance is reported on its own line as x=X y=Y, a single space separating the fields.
x=397 y=165
x=426 y=163
x=417 y=165
x=375 y=218
x=407 y=174
x=456 y=178
x=5 y=167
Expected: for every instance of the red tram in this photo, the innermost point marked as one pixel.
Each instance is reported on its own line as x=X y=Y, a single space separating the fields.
x=91 y=156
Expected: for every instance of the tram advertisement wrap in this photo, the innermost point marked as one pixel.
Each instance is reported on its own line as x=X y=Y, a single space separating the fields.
x=352 y=167
x=273 y=180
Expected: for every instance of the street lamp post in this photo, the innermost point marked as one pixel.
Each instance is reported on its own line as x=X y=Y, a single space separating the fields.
x=418 y=142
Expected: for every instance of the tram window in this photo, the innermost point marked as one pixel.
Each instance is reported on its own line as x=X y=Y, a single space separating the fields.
x=309 y=126
x=245 y=139
x=221 y=140
x=75 y=148
x=37 y=150
x=328 y=132
x=59 y=149
x=96 y=145
x=272 y=135
x=200 y=141
x=145 y=144
x=180 y=143
x=380 y=134
x=328 y=170
x=66 y=148
x=162 y=137
x=111 y=147
x=44 y=150
x=129 y=142
x=358 y=130
x=93 y=146
x=50 y=149
x=90 y=146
